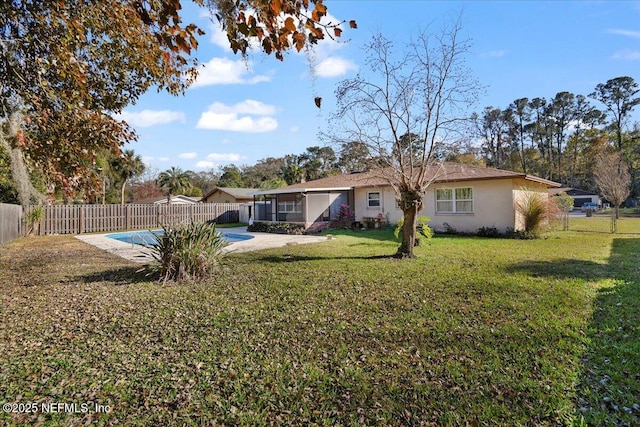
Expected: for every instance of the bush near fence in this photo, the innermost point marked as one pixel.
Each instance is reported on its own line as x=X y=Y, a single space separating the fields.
x=10 y=222
x=78 y=219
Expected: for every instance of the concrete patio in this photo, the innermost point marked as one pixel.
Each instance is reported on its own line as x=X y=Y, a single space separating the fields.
x=142 y=255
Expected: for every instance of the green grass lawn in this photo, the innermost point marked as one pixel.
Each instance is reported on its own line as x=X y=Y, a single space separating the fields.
x=473 y=332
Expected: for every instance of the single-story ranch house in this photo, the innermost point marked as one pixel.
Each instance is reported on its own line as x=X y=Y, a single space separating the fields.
x=229 y=195
x=461 y=197
x=580 y=197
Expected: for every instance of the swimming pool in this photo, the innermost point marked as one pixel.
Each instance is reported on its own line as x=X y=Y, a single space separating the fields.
x=148 y=237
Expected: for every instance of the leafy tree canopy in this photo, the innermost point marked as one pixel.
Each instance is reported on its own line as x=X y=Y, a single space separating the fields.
x=66 y=66
x=278 y=25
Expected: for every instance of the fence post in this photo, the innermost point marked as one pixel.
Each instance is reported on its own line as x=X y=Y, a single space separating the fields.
x=127 y=216
x=81 y=220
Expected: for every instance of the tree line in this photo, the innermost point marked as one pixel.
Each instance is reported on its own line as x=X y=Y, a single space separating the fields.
x=560 y=138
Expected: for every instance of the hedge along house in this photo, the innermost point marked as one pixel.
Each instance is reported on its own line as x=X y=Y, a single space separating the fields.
x=460 y=197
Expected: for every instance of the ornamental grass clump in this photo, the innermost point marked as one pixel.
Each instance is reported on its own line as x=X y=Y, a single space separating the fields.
x=535 y=212
x=187 y=253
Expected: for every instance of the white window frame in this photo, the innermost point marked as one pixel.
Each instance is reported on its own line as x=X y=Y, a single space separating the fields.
x=290 y=206
x=454 y=200
x=369 y=200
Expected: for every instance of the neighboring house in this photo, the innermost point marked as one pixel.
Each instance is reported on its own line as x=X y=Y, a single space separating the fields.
x=230 y=195
x=580 y=197
x=461 y=197
x=175 y=200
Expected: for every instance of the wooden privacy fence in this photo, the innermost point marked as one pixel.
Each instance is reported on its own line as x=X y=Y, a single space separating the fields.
x=78 y=219
x=10 y=222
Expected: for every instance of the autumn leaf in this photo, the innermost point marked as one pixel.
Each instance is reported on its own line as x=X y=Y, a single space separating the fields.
x=352 y=24
x=289 y=24
x=276 y=6
x=299 y=39
x=321 y=9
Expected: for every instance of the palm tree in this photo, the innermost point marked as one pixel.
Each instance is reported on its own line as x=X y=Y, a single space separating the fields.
x=127 y=166
x=174 y=179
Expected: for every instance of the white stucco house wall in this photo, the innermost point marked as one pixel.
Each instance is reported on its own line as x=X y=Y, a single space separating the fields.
x=462 y=197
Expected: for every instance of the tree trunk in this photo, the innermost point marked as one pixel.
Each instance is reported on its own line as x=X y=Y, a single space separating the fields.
x=124 y=184
x=27 y=193
x=408 y=233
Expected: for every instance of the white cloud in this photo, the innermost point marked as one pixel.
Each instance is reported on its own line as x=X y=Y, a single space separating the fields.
x=188 y=155
x=148 y=118
x=163 y=159
x=628 y=55
x=239 y=117
x=331 y=43
x=226 y=71
x=627 y=33
x=203 y=164
x=334 y=66
x=248 y=106
x=232 y=122
x=219 y=36
x=215 y=159
x=294 y=129
x=494 y=54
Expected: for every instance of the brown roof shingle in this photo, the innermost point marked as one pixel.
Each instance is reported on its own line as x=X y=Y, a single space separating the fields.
x=443 y=172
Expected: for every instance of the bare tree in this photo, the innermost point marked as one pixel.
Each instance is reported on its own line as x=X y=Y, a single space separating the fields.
x=612 y=177
x=408 y=107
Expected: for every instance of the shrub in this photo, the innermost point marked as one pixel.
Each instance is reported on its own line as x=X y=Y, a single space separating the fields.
x=521 y=234
x=535 y=211
x=189 y=252
x=449 y=229
x=34 y=217
x=491 y=232
x=345 y=216
x=276 y=228
x=423 y=231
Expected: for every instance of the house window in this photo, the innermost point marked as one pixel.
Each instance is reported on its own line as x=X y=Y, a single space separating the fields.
x=454 y=200
x=373 y=199
x=289 y=203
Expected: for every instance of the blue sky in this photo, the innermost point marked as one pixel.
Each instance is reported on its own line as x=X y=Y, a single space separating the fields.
x=243 y=111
